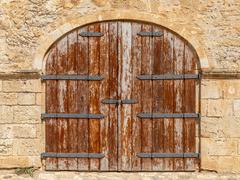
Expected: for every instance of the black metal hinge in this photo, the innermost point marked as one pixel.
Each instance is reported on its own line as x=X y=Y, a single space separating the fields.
x=72 y=155
x=73 y=77
x=168 y=76
x=72 y=116
x=168 y=115
x=154 y=34
x=168 y=155
x=91 y=34
x=116 y=101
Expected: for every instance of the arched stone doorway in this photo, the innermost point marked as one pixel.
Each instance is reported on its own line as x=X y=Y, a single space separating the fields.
x=121 y=96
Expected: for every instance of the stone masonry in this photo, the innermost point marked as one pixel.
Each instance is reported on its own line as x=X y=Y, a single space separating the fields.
x=29 y=27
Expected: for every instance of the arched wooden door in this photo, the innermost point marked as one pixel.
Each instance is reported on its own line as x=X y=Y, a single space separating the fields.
x=121 y=96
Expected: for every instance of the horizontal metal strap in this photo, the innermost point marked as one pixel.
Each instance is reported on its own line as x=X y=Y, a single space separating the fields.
x=168 y=155
x=73 y=77
x=143 y=33
x=72 y=116
x=116 y=101
x=168 y=115
x=91 y=34
x=168 y=76
x=72 y=155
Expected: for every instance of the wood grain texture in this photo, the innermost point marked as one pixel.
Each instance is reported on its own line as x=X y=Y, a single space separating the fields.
x=83 y=99
x=146 y=100
x=94 y=94
x=158 y=124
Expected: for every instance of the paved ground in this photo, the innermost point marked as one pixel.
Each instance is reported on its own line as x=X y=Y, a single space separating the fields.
x=42 y=175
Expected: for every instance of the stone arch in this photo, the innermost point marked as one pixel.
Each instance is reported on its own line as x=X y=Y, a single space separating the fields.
x=48 y=39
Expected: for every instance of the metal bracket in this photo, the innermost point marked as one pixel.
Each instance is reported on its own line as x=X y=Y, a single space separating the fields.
x=72 y=77
x=154 y=34
x=116 y=101
x=168 y=155
x=168 y=76
x=72 y=155
x=91 y=34
x=168 y=115
x=72 y=116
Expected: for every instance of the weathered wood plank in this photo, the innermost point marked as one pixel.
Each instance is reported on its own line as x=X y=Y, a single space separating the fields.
x=168 y=96
x=125 y=88
x=146 y=100
x=62 y=103
x=158 y=124
x=83 y=100
x=51 y=106
x=94 y=94
x=178 y=58
x=190 y=106
x=113 y=93
x=104 y=93
x=136 y=95
x=72 y=98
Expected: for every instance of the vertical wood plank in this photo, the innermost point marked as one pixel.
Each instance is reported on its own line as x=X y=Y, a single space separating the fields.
x=62 y=103
x=94 y=94
x=168 y=100
x=125 y=87
x=72 y=99
x=136 y=95
x=51 y=107
x=83 y=99
x=104 y=93
x=190 y=107
x=178 y=58
x=158 y=124
x=113 y=93
x=146 y=101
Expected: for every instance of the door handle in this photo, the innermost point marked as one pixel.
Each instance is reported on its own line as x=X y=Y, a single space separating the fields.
x=116 y=101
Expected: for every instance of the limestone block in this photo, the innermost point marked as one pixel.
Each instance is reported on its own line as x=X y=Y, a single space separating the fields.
x=6 y=147
x=26 y=114
x=211 y=90
x=22 y=86
x=8 y=98
x=231 y=89
x=212 y=127
x=25 y=131
x=231 y=126
x=27 y=147
x=39 y=99
x=26 y=98
x=236 y=107
x=19 y=161
x=0 y=85
x=6 y=131
x=218 y=146
x=228 y=164
x=227 y=107
x=204 y=107
x=100 y=2
x=214 y=108
x=209 y=162
x=6 y=114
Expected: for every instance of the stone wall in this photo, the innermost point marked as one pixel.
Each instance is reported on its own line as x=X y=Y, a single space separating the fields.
x=29 y=27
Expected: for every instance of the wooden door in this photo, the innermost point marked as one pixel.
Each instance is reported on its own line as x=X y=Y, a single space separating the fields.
x=121 y=96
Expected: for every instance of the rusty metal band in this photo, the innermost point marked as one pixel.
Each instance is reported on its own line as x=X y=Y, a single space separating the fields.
x=154 y=34
x=91 y=34
x=168 y=115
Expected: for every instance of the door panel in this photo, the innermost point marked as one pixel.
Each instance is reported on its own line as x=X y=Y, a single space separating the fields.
x=150 y=133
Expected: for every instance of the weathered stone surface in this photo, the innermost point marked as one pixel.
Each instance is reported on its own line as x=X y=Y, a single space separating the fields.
x=6 y=114
x=19 y=161
x=8 y=98
x=6 y=147
x=236 y=107
x=26 y=147
x=231 y=88
x=6 y=131
x=26 y=98
x=214 y=109
x=26 y=114
x=22 y=86
x=211 y=90
x=25 y=131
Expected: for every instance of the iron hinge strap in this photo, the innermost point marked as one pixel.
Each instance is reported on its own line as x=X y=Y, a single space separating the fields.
x=116 y=101
x=91 y=34
x=72 y=155
x=73 y=77
x=154 y=34
x=168 y=115
x=168 y=76
x=72 y=116
x=168 y=155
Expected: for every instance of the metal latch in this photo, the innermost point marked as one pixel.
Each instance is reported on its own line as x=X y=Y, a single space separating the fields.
x=116 y=101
